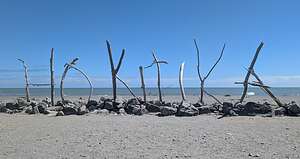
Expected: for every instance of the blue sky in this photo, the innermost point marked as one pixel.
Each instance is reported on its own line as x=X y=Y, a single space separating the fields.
x=78 y=28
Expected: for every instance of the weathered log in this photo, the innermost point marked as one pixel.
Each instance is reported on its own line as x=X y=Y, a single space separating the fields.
x=143 y=83
x=52 y=76
x=26 y=80
x=249 y=72
x=202 y=79
x=181 y=69
x=114 y=71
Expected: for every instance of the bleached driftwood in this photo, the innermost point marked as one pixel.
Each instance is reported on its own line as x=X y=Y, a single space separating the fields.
x=157 y=62
x=143 y=83
x=52 y=76
x=68 y=66
x=202 y=79
x=26 y=80
x=181 y=69
x=114 y=71
x=245 y=83
x=266 y=89
x=131 y=92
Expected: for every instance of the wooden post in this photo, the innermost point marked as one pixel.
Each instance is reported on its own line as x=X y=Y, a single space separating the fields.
x=143 y=83
x=26 y=80
x=181 y=69
x=52 y=76
x=114 y=71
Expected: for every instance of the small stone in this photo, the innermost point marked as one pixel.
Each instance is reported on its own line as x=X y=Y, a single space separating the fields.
x=152 y=107
x=107 y=105
x=206 y=109
x=82 y=110
x=60 y=113
x=167 y=111
x=92 y=105
x=42 y=107
x=122 y=111
x=3 y=108
x=293 y=109
x=253 y=155
x=12 y=105
x=29 y=110
x=69 y=111
x=186 y=109
x=103 y=111
x=35 y=110
x=280 y=111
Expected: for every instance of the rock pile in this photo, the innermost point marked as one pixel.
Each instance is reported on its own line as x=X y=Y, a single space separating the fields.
x=138 y=107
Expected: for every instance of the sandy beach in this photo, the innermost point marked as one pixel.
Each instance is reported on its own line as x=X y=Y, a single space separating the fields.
x=149 y=136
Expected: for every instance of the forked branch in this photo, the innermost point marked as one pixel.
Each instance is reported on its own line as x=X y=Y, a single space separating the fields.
x=114 y=71
x=202 y=79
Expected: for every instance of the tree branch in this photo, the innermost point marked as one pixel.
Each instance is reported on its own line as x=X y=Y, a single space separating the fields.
x=248 y=73
x=220 y=57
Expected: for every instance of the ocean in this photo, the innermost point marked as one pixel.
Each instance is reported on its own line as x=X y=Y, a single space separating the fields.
x=288 y=91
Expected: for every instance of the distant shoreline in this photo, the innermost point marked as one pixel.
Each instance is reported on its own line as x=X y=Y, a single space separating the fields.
x=192 y=91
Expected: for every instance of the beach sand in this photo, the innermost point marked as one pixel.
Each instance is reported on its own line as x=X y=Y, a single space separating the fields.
x=149 y=136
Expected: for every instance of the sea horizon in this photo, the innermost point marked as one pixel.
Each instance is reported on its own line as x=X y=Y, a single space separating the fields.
x=166 y=91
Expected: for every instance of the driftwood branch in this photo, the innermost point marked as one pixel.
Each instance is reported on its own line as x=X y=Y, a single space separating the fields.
x=253 y=84
x=181 y=69
x=131 y=92
x=86 y=77
x=212 y=96
x=245 y=83
x=266 y=89
x=143 y=83
x=68 y=66
x=26 y=80
x=52 y=76
x=157 y=62
x=202 y=79
x=114 y=71
x=198 y=60
x=219 y=59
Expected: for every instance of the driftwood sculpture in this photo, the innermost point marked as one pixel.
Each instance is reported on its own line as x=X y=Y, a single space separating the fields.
x=68 y=66
x=52 y=76
x=259 y=83
x=202 y=79
x=143 y=83
x=26 y=80
x=245 y=83
x=157 y=62
x=114 y=71
x=181 y=69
